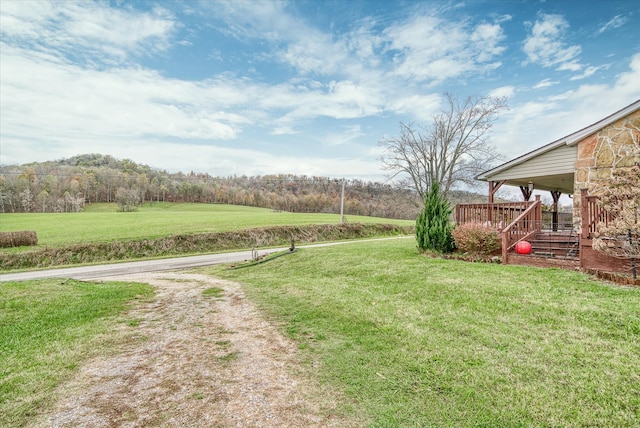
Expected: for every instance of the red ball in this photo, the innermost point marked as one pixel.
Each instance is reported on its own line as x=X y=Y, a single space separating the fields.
x=523 y=247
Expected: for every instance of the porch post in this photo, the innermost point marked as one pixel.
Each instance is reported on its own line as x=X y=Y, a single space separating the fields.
x=526 y=193
x=493 y=188
x=554 y=219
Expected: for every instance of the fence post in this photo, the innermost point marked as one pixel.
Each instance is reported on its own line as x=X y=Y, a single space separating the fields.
x=584 y=214
x=505 y=244
x=538 y=215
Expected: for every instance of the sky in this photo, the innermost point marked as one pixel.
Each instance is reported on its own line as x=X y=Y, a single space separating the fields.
x=299 y=87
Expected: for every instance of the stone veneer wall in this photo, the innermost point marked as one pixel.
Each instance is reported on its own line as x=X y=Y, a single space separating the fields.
x=616 y=146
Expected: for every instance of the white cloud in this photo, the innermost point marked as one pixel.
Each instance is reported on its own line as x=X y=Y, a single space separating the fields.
x=569 y=66
x=348 y=136
x=486 y=39
x=336 y=99
x=545 y=83
x=534 y=123
x=314 y=53
x=593 y=102
x=25 y=19
x=40 y=95
x=615 y=22
x=428 y=48
x=292 y=40
x=75 y=79
x=419 y=107
x=223 y=161
x=365 y=44
x=44 y=94
x=84 y=29
x=545 y=45
x=283 y=130
x=504 y=91
x=589 y=71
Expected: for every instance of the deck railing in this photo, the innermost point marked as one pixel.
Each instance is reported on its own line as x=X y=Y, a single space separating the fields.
x=523 y=227
x=564 y=221
x=592 y=215
x=497 y=213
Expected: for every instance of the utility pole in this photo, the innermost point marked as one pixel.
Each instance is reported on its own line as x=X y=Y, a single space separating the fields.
x=342 y=204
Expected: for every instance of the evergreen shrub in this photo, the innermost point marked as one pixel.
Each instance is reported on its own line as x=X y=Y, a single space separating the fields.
x=433 y=225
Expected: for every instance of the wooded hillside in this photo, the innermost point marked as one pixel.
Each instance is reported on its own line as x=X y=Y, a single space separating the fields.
x=67 y=185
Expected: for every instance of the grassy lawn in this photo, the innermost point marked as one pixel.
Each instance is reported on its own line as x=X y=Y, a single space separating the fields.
x=416 y=341
x=46 y=330
x=102 y=222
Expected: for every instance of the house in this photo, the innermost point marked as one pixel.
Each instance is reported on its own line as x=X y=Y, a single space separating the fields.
x=578 y=165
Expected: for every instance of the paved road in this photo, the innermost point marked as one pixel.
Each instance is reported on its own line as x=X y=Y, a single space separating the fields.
x=116 y=269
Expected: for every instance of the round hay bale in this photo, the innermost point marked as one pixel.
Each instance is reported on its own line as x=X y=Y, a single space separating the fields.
x=18 y=239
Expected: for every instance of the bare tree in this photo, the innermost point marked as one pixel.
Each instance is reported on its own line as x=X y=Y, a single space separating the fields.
x=620 y=236
x=128 y=199
x=451 y=150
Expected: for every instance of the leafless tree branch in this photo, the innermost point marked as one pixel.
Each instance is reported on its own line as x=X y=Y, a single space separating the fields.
x=451 y=150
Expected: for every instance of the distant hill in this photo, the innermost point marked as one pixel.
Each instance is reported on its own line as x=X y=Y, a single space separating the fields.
x=67 y=184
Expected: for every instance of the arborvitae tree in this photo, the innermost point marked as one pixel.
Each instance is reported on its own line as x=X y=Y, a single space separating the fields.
x=433 y=225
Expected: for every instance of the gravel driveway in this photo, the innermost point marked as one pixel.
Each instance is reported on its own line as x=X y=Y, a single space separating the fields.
x=195 y=359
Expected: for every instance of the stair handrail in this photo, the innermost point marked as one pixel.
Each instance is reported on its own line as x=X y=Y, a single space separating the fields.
x=592 y=214
x=524 y=226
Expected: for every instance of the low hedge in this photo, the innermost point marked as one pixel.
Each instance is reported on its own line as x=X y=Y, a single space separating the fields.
x=193 y=244
x=476 y=238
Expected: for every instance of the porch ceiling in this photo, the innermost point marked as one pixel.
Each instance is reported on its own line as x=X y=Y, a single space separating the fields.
x=558 y=182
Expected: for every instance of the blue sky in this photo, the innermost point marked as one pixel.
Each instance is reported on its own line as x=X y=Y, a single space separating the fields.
x=302 y=87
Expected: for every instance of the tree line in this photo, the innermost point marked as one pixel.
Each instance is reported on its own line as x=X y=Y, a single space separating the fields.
x=67 y=185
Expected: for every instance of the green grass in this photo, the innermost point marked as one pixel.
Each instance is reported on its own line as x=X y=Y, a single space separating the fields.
x=47 y=328
x=213 y=292
x=416 y=341
x=102 y=222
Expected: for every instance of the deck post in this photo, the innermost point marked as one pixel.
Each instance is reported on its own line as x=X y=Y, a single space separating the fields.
x=538 y=215
x=584 y=214
x=554 y=219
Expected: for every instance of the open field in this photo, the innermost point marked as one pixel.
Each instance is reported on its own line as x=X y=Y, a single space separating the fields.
x=102 y=222
x=417 y=341
x=47 y=329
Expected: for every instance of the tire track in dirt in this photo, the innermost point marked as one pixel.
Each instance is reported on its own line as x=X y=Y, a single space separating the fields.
x=196 y=360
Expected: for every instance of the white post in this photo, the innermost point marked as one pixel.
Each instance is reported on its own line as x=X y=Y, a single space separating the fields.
x=342 y=204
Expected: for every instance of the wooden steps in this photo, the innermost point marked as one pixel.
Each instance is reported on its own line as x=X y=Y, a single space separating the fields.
x=560 y=245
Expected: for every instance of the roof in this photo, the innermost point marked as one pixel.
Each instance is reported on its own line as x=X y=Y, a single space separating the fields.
x=568 y=140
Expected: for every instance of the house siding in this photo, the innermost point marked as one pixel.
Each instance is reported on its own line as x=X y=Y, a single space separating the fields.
x=560 y=160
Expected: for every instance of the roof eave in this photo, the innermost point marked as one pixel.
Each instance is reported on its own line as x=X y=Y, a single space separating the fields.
x=569 y=140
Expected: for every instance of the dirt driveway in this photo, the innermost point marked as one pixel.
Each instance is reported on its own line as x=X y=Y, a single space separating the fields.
x=197 y=359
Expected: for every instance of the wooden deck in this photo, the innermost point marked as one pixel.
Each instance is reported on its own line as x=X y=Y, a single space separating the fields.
x=517 y=221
